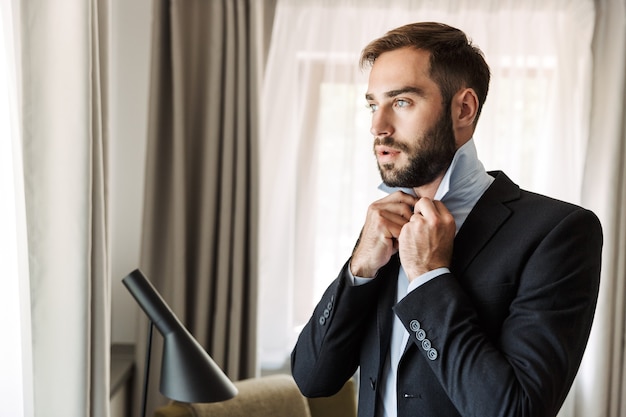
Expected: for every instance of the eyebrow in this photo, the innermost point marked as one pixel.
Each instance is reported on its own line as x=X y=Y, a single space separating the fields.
x=395 y=93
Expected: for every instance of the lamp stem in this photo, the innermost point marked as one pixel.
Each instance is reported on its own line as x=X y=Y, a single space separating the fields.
x=146 y=375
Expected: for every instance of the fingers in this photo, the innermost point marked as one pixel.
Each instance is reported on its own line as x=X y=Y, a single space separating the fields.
x=389 y=214
x=397 y=203
x=421 y=229
x=425 y=243
x=432 y=210
x=378 y=241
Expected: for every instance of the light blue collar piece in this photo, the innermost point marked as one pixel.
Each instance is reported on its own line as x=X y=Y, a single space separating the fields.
x=462 y=184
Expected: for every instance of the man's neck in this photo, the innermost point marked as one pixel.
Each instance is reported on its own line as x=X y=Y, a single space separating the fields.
x=429 y=190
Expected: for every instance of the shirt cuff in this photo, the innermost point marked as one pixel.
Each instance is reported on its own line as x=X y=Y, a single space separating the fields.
x=424 y=278
x=356 y=281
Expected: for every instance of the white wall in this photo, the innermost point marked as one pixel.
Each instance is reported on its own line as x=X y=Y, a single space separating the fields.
x=129 y=76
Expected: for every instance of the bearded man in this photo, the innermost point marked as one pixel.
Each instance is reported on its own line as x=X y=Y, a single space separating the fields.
x=464 y=295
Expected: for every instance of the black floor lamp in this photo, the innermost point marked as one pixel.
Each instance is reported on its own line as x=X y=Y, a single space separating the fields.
x=188 y=374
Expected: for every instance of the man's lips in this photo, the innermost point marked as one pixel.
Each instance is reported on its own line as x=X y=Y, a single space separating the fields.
x=386 y=153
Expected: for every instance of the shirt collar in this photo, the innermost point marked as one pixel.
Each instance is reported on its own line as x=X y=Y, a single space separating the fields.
x=462 y=185
x=464 y=156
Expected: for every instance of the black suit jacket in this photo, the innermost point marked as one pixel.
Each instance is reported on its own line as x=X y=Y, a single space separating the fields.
x=502 y=335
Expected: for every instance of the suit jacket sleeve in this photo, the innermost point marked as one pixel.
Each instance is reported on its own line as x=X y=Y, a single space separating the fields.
x=526 y=366
x=327 y=352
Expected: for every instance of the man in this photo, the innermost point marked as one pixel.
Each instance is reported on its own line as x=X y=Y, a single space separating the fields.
x=464 y=295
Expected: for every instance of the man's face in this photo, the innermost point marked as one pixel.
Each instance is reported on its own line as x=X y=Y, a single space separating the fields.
x=413 y=134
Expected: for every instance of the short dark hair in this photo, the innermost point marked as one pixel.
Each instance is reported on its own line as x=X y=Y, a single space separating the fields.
x=455 y=62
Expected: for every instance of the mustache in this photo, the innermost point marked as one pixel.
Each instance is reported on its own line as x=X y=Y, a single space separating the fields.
x=391 y=142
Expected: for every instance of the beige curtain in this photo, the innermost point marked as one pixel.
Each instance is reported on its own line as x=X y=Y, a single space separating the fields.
x=199 y=230
x=601 y=388
x=64 y=102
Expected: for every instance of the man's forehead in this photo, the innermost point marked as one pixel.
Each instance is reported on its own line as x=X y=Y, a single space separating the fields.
x=399 y=80
x=403 y=66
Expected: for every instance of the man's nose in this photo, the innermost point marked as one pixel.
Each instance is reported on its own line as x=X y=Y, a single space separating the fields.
x=381 y=123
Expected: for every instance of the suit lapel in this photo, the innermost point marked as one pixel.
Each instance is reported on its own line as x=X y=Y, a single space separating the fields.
x=484 y=220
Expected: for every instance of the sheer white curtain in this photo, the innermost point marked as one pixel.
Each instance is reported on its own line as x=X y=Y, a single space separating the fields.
x=318 y=173
x=16 y=377
x=601 y=387
x=64 y=129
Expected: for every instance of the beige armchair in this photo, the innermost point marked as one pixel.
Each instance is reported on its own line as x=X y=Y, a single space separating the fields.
x=269 y=396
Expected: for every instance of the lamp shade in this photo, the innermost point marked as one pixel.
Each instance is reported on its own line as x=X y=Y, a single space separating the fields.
x=188 y=373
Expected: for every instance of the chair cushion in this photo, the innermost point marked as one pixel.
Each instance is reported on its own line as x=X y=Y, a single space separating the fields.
x=269 y=396
x=342 y=404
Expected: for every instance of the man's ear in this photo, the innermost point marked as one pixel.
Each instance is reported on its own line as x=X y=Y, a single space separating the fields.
x=465 y=109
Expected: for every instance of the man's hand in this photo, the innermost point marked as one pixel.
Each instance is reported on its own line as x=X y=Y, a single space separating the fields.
x=426 y=241
x=379 y=237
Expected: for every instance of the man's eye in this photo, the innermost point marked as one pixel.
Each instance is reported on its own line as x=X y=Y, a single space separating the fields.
x=372 y=107
x=402 y=103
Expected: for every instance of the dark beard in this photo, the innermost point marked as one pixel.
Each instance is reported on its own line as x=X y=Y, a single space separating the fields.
x=431 y=159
